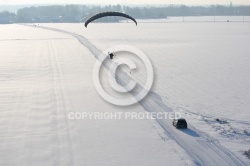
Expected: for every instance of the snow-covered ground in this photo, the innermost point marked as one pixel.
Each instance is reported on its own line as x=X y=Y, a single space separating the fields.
x=44 y=76
x=201 y=70
x=197 y=19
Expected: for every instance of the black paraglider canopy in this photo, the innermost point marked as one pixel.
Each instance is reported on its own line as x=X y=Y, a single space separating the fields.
x=106 y=14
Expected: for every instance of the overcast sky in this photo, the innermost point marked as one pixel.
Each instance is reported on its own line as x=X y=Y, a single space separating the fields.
x=187 y=2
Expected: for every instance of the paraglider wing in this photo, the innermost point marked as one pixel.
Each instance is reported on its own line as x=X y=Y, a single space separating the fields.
x=105 y=14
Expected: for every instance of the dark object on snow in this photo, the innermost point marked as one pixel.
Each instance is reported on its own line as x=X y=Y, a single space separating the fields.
x=221 y=121
x=180 y=123
x=111 y=55
x=106 y=14
x=247 y=153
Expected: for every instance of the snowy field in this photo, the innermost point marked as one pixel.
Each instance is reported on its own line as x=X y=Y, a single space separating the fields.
x=201 y=70
x=200 y=19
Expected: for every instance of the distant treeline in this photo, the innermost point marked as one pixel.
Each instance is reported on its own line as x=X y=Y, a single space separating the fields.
x=78 y=13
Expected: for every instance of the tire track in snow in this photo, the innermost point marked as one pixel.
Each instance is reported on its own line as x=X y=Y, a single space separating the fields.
x=58 y=117
x=202 y=148
x=47 y=119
